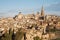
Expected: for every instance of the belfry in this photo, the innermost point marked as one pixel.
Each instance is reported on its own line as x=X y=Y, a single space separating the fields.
x=42 y=14
x=42 y=11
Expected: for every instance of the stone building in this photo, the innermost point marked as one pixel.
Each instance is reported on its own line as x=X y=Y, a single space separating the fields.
x=32 y=25
x=39 y=30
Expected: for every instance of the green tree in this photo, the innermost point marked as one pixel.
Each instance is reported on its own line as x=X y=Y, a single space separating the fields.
x=8 y=36
x=19 y=35
x=36 y=38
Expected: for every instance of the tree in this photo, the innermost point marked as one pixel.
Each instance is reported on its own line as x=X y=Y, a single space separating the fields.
x=36 y=38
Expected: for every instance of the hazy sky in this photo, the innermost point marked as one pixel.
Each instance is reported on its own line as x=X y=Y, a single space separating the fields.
x=12 y=7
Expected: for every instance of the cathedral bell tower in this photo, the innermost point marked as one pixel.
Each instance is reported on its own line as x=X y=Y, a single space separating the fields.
x=42 y=14
x=42 y=11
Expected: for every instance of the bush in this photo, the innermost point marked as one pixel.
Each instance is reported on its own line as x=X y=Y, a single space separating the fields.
x=19 y=35
x=36 y=38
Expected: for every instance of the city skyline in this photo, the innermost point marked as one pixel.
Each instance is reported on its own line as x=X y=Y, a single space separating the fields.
x=13 y=7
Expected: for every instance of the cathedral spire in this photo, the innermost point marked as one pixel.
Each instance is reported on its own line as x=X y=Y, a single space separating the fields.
x=42 y=11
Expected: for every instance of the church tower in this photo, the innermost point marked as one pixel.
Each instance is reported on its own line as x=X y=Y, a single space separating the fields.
x=42 y=14
x=42 y=11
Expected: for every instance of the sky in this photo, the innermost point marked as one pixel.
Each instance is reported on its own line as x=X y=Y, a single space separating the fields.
x=10 y=8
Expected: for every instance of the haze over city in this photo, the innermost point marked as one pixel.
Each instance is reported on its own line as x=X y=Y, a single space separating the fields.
x=13 y=7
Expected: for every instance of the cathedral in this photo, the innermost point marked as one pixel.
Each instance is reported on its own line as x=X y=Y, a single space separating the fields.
x=31 y=33
x=42 y=14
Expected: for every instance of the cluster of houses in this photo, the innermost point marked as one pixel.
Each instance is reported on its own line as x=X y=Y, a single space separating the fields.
x=32 y=25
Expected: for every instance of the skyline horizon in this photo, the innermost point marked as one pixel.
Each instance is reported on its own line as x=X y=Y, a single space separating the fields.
x=13 y=7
